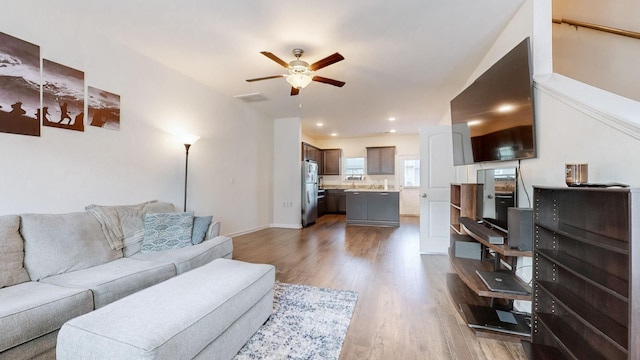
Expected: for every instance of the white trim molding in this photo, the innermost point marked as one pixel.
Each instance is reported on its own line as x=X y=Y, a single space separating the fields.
x=621 y=113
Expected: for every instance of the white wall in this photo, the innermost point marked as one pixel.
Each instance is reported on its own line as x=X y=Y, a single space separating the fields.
x=567 y=132
x=64 y=171
x=574 y=121
x=601 y=59
x=287 y=173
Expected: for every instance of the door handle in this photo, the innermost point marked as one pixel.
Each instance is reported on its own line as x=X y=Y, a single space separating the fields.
x=424 y=195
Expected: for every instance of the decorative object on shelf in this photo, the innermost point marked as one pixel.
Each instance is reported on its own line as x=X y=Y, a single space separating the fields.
x=20 y=86
x=188 y=140
x=103 y=109
x=62 y=96
x=576 y=174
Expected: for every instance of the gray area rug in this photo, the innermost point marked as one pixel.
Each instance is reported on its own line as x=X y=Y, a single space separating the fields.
x=307 y=323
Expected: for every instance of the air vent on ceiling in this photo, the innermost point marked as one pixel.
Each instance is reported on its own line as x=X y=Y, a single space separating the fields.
x=252 y=97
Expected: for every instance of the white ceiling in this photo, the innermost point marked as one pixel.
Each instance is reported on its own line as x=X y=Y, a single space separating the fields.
x=404 y=59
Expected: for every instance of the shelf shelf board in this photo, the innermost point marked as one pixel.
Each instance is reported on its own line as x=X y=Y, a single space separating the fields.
x=594 y=318
x=541 y=352
x=461 y=294
x=456 y=228
x=466 y=269
x=587 y=237
x=472 y=228
x=455 y=206
x=572 y=342
x=595 y=276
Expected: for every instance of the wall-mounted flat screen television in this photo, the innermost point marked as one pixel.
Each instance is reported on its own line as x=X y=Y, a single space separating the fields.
x=493 y=118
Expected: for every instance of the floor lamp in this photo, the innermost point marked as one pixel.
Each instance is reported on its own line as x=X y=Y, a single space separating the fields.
x=188 y=141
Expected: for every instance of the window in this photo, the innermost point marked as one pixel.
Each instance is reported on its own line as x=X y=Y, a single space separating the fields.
x=354 y=168
x=411 y=172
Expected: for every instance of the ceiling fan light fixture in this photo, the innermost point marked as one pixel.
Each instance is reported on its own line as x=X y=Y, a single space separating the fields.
x=299 y=80
x=300 y=73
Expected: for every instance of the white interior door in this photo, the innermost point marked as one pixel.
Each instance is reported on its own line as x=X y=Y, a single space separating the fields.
x=437 y=173
x=409 y=177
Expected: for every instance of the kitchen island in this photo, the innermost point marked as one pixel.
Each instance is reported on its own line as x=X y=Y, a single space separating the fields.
x=373 y=207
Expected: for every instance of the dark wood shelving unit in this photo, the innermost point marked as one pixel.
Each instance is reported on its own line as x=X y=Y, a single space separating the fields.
x=462 y=294
x=541 y=352
x=466 y=270
x=463 y=204
x=466 y=287
x=586 y=300
x=476 y=231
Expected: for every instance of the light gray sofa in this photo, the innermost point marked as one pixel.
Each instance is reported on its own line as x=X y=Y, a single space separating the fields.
x=55 y=267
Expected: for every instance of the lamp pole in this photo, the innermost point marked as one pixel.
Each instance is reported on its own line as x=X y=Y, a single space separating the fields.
x=186 y=172
x=188 y=140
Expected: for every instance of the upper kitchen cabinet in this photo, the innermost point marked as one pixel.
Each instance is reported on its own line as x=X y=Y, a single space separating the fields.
x=331 y=162
x=381 y=160
x=312 y=153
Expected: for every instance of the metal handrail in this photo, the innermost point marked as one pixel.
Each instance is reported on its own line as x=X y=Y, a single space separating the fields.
x=610 y=30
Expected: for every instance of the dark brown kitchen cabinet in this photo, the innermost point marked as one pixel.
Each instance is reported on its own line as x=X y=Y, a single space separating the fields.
x=331 y=162
x=381 y=160
x=335 y=201
x=322 y=203
x=310 y=152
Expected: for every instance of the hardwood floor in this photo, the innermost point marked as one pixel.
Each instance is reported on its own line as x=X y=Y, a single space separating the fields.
x=403 y=311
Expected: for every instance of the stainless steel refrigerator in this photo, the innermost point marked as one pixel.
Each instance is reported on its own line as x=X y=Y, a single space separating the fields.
x=309 y=192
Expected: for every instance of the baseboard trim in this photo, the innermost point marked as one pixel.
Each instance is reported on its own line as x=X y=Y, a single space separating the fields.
x=286 y=226
x=249 y=231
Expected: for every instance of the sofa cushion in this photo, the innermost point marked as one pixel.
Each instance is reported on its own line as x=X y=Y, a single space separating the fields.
x=32 y=309
x=59 y=243
x=191 y=257
x=166 y=231
x=12 y=269
x=41 y=348
x=176 y=319
x=117 y=279
x=200 y=227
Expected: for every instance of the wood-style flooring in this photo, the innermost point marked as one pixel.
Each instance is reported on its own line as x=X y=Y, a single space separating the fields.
x=404 y=310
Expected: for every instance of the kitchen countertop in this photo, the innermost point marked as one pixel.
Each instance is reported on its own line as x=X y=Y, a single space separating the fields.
x=371 y=190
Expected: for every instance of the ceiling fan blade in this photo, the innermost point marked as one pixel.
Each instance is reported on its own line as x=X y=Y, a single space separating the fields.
x=275 y=58
x=294 y=91
x=266 y=78
x=331 y=59
x=328 y=81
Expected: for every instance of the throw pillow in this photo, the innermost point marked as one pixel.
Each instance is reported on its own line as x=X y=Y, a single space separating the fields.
x=60 y=243
x=12 y=269
x=200 y=226
x=166 y=231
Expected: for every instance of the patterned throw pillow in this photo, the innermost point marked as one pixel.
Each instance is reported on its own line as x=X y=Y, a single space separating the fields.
x=165 y=231
x=200 y=226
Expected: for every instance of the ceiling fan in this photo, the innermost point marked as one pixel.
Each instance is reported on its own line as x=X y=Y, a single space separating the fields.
x=300 y=73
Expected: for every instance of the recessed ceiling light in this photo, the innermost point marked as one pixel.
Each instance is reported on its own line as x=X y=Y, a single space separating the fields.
x=334 y=134
x=319 y=124
x=474 y=122
x=392 y=130
x=392 y=119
